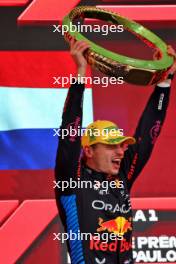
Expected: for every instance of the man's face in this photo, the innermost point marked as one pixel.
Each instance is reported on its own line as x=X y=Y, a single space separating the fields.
x=106 y=158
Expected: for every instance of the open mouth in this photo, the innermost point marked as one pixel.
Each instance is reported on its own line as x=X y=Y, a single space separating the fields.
x=116 y=161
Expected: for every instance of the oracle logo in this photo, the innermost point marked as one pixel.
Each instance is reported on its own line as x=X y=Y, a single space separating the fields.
x=101 y=205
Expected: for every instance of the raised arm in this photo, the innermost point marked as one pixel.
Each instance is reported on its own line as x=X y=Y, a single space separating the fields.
x=148 y=129
x=69 y=146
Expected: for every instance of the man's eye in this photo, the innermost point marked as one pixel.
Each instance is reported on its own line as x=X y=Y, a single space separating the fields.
x=124 y=146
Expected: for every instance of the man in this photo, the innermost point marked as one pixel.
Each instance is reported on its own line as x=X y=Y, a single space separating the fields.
x=107 y=158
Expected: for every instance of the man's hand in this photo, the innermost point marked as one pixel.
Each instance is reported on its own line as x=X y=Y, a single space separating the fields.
x=76 y=49
x=172 y=53
x=158 y=55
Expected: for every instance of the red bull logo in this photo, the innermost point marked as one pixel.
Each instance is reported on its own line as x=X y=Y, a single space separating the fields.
x=119 y=226
x=125 y=245
x=98 y=245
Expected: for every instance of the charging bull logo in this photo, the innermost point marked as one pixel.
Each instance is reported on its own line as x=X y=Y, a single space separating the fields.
x=119 y=226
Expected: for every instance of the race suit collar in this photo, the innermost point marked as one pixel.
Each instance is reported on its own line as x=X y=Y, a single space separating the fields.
x=97 y=175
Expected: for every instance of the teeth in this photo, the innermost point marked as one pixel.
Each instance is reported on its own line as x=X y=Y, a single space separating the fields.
x=116 y=160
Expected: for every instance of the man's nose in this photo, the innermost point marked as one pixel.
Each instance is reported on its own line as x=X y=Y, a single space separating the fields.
x=120 y=150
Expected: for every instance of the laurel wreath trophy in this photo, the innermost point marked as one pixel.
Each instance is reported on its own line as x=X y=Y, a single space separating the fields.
x=135 y=71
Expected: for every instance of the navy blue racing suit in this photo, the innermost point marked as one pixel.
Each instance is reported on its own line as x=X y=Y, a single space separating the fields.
x=95 y=210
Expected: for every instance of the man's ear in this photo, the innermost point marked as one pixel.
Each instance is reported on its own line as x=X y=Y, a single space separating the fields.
x=88 y=151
